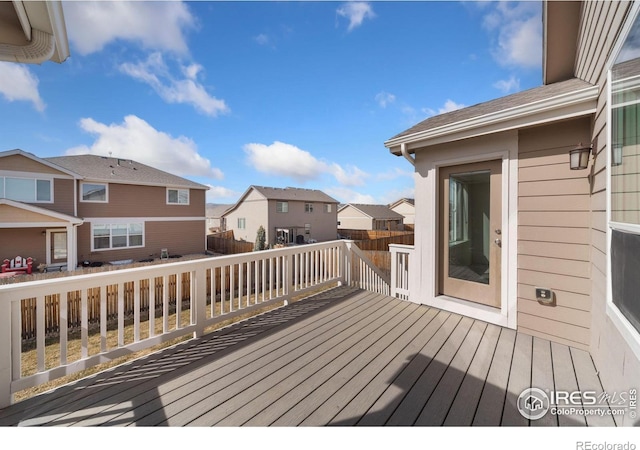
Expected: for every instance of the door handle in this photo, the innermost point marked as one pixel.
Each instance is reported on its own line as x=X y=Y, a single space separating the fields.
x=498 y=242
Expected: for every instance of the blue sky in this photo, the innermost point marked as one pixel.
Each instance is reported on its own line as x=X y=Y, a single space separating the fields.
x=278 y=94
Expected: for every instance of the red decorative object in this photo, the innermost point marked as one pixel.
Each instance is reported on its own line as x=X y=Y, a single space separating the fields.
x=17 y=264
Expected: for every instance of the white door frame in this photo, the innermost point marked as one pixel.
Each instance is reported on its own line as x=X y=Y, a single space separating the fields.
x=424 y=286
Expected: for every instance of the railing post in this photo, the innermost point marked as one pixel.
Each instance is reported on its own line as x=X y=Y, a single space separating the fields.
x=7 y=329
x=394 y=270
x=199 y=299
x=346 y=262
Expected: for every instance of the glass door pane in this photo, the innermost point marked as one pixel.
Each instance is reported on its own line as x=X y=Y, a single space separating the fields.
x=469 y=226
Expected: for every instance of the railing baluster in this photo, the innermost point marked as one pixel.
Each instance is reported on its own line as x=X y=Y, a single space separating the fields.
x=120 y=314
x=64 y=330
x=136 y=310
x=84 y=324
x=102 y=292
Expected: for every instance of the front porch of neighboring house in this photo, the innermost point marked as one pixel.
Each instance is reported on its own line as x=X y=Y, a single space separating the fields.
x=349 y=351
x=46 y=236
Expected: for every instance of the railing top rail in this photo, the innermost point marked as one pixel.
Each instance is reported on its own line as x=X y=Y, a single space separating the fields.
x=402 y=246
x=165 y=268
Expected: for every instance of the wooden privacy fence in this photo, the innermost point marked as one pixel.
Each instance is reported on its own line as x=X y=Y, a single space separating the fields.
x=226 y=244
x=382 y=243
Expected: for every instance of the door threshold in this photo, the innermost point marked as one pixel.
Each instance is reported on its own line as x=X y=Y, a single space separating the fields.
x=470 y=309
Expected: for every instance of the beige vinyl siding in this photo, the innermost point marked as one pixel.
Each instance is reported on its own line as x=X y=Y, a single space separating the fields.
x=554 y=234
x=127 y=200
x=178 y=237
x=25 y=242
x=63 y=197
x=19 y=163
x=352 y=219
x=601 y=22
x=601 y=26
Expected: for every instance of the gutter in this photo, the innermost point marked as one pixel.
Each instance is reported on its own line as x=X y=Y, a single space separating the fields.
x=584 y=99
x=38 y=50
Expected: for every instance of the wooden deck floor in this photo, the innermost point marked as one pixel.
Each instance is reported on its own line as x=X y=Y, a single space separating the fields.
x=344 y=357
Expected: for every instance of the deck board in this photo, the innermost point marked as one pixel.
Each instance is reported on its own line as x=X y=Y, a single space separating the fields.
x=341 y=358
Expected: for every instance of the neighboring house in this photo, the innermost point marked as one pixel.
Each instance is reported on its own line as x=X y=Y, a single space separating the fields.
x=500 y=213
x=355 y=216
x=33 y=32
x=215 y=213
x=405 y=207
x=288 y=215
x=65 y=210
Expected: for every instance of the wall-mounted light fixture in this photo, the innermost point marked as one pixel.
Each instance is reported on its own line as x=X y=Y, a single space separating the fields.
x=616 y=154
x=579 y=157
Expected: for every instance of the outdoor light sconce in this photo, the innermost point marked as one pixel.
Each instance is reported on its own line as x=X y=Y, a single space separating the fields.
x=579 y=157
x=616 y=155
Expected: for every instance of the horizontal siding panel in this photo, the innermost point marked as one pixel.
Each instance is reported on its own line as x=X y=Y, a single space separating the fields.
x=553 y=234
x=578 y=252
x=563 y=299
x=554 y=328
x=552 y=338
x=557 y=313
x=561 y=137
x=554 y=281
x=548 y=172
x=575 y=219
x=599 y=240
x=599 y=260
x=599 y=220
x=556 y=187
x=579 y=269
x=544 y=157
x=599 y=201
x=555 y=203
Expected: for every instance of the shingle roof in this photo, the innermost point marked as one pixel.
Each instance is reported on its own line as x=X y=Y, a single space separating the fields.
x=376 y=211
x=119 y=170
x=523 y=98
x=293 y=194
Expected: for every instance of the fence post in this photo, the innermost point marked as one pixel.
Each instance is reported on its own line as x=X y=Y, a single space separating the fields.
x=6 y=398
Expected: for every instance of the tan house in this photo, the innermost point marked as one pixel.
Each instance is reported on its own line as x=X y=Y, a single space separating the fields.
x=288 y=215
x=520 y=238
x=66 y=210
x=33 y=32
x=356 y=216
x=406 y=207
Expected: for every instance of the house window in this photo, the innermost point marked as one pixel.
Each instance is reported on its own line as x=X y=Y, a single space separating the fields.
x=178 y=196
x=624 y=201
x=242 y=223
x=307 y=229
x=28 y=190
x=308 y=207
x=107 y=236
x=282 y=207
x=327 y=207
x=94 y=192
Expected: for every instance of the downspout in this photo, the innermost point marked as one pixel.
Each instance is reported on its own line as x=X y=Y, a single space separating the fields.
x=405 y=153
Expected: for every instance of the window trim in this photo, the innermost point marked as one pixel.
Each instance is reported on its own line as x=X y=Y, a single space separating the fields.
x=97 y=183
x=282 y=207
x=110 y=224
x=188 y=191
x=244 y=223
x=35 y=188
x=308 y=207
x=628 y=332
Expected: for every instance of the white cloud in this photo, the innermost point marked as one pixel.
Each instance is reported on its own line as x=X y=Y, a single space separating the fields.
x=136 y=139
x=17 y=83
x=507 y=86
x=187 y=90
x=393 y=174
x=384 y=99
x=154 y=25
x=345 y=195
x=356 y=12
x=449 y=106
x=518 y=30
x=217 y=193
x=281 y=159
x=262 y=39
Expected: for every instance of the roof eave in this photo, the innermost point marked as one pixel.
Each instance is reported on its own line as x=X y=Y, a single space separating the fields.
x=566 y=106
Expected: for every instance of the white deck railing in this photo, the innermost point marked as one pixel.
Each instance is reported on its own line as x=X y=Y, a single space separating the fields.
x=400 y=255
x=158 y=303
